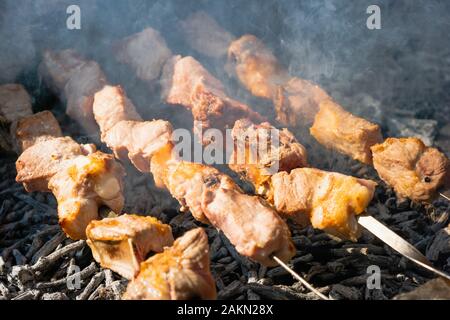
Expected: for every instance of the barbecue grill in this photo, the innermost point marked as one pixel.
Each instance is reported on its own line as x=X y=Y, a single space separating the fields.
x=95 y=205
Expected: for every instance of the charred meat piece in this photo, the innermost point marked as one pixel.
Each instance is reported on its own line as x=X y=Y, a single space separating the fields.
x=210 y=195
x=329 y=200
x=205 y=35
x=186 y=82
x=123 y=242
x=262 y=150
x=35 y=128
x=181 y=272
x=299 y=102
x=145 y=52
x=338 y=129
x=414 y=170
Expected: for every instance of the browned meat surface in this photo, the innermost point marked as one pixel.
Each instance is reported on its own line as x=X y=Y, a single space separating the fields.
x=299 y=102
x=124 y=131
x=210 y=195
x=38 y=163
x=77 y=80
x=414 y=170
x=262 y=150
x=123 y=242
x=145 y=52
x=181 y=272
x=81 y=178
x=255 y=66
x=338 y=129
x=329 y=200
x=34 y=129
x=15 y=103
x=186 y=82
x=81 y=188
x=205 y=35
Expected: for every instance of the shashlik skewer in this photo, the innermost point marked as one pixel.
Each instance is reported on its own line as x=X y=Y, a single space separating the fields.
x=120 y=243
x=419 y=170
x=210 y=195
x=189 y=83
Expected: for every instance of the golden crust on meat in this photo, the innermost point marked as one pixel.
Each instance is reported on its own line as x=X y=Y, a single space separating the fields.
x=414 y=170
x=123 y=242
x=181 y=272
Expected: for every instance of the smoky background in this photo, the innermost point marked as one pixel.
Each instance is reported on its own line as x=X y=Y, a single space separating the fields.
x=396 y=74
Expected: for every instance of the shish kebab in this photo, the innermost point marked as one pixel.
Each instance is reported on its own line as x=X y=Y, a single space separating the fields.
x=179 y=270
x=414 y=170
x=184 y=81
x=211 y=196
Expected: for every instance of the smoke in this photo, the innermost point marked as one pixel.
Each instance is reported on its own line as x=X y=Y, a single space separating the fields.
x=405 y=64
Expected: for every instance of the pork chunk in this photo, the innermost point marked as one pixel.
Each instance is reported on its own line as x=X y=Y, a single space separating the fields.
x=414 y=170
x=123 y=242
x=181 y=272
x=15 y=103
x=330 y=201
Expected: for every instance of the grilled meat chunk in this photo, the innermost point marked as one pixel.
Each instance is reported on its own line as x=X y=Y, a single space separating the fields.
x=338 y=129
x=81 y=178
x=123 y=242
x=76 y=80
x=414 y=170
x=186 y=82
x=181 y=272
x=205 y=35
x=262 y=150
x=329 y=200
x=145 y=52
x=34 y=129
x=15 y=103
x=210 y=195
x=299 y=102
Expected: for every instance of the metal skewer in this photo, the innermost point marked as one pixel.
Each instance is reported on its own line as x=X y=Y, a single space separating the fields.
x=299 y=278
x=398 y=243
x=444 y=196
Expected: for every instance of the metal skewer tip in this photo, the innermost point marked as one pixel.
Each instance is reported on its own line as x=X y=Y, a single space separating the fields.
x=444 y=196
x=299 y=278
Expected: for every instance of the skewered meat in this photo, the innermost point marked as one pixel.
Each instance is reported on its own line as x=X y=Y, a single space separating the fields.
x=338 y=129
x=33 y=129
x=262 y=150
x=181 y=272
x=186 y=82
x=210 y=195
x=206 y=35
x=123 y=242
x=146 y=52
x=15 y=103
x=414 y=170
x=81 y=178
x=299 y=102
x=329 y=200
x=79 y=79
